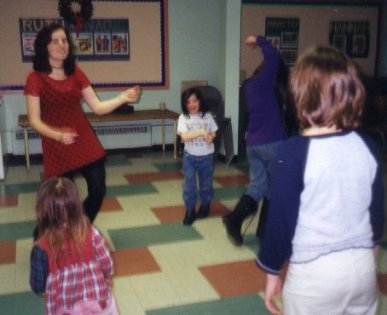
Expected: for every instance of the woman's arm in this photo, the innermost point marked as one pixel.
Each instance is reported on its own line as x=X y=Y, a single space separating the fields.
x=63 y=135
x=99 y=107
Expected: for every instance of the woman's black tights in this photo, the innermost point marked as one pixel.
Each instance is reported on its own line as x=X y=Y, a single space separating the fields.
x=95 y=176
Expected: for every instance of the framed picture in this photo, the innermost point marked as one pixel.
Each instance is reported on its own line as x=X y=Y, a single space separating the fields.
x=352 y=37
x=275 y=41
x=83 y=43
x=289 y=39
x=340 y=42
x=28 y=40
x=358 y=44
x=289 y=56
x=102 y=43
x=284 y=33
x=120 y=43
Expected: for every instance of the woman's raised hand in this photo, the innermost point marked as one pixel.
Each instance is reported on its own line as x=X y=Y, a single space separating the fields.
x=132 y=94
x=251 y=41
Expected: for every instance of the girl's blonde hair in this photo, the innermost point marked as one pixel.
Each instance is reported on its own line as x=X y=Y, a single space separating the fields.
x=327 y=89
x=60 y=214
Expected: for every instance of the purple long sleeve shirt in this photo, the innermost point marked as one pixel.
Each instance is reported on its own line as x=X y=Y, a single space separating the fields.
x=265 y=121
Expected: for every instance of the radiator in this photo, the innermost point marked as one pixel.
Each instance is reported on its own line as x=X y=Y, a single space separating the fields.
x=111 y=137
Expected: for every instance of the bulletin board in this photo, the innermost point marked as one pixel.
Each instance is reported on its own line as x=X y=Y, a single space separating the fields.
x=144 y=62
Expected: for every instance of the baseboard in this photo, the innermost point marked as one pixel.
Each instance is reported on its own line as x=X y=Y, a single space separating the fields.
x=14 y=160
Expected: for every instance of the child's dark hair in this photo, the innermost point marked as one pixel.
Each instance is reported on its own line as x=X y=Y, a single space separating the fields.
x=203 y=108
x=327 y=89
x=41 y=58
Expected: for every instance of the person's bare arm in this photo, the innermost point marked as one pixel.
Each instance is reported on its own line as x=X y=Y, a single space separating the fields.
x=99 y=107
x=272 y=293
x=63 y=135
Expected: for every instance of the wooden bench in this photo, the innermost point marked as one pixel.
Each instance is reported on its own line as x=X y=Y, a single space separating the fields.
x=137 y=115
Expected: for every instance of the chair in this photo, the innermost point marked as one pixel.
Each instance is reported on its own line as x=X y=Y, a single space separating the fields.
x=214 y=100
x=185 y=85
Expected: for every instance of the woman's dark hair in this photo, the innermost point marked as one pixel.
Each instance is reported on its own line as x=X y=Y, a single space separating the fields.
x=41 y=58
x=327 y=89
x=187 y=94
x=281 y=89
x=283 y=75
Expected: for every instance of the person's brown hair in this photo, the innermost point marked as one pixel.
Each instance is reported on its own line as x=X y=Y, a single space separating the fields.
x=327 y=89
x=60 y=214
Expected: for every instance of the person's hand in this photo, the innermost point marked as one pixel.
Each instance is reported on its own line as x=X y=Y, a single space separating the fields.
x=200 y=133
x=203 y=133
x=272 y=293
x=251 y=41
x=131 y=95
x=67 y=136
x=209 y=138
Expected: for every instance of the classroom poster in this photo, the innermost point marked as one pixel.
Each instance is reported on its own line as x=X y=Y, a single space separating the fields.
x=284 y=34
x=99 y=39
x=352 y=37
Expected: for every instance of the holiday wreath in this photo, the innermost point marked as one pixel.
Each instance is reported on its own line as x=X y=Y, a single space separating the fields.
x=67 y=10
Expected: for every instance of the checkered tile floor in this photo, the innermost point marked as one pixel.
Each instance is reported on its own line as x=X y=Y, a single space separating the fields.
x=161 y=266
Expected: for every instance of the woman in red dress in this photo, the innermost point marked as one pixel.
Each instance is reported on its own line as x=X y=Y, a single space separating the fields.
x=54 y=91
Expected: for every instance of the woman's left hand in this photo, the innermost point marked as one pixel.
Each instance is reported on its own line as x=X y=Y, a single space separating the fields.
x=131 y=95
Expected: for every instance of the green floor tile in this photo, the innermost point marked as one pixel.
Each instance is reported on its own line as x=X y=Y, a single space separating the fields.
x=152 y=235
x=118 y=161
x=18 y=188
x=228 y=193
x=169 y=167
x=15 y=231
x=246 y=305
x=252 y=242
x=243 y=168
x=131 y=189
x=25 y=303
